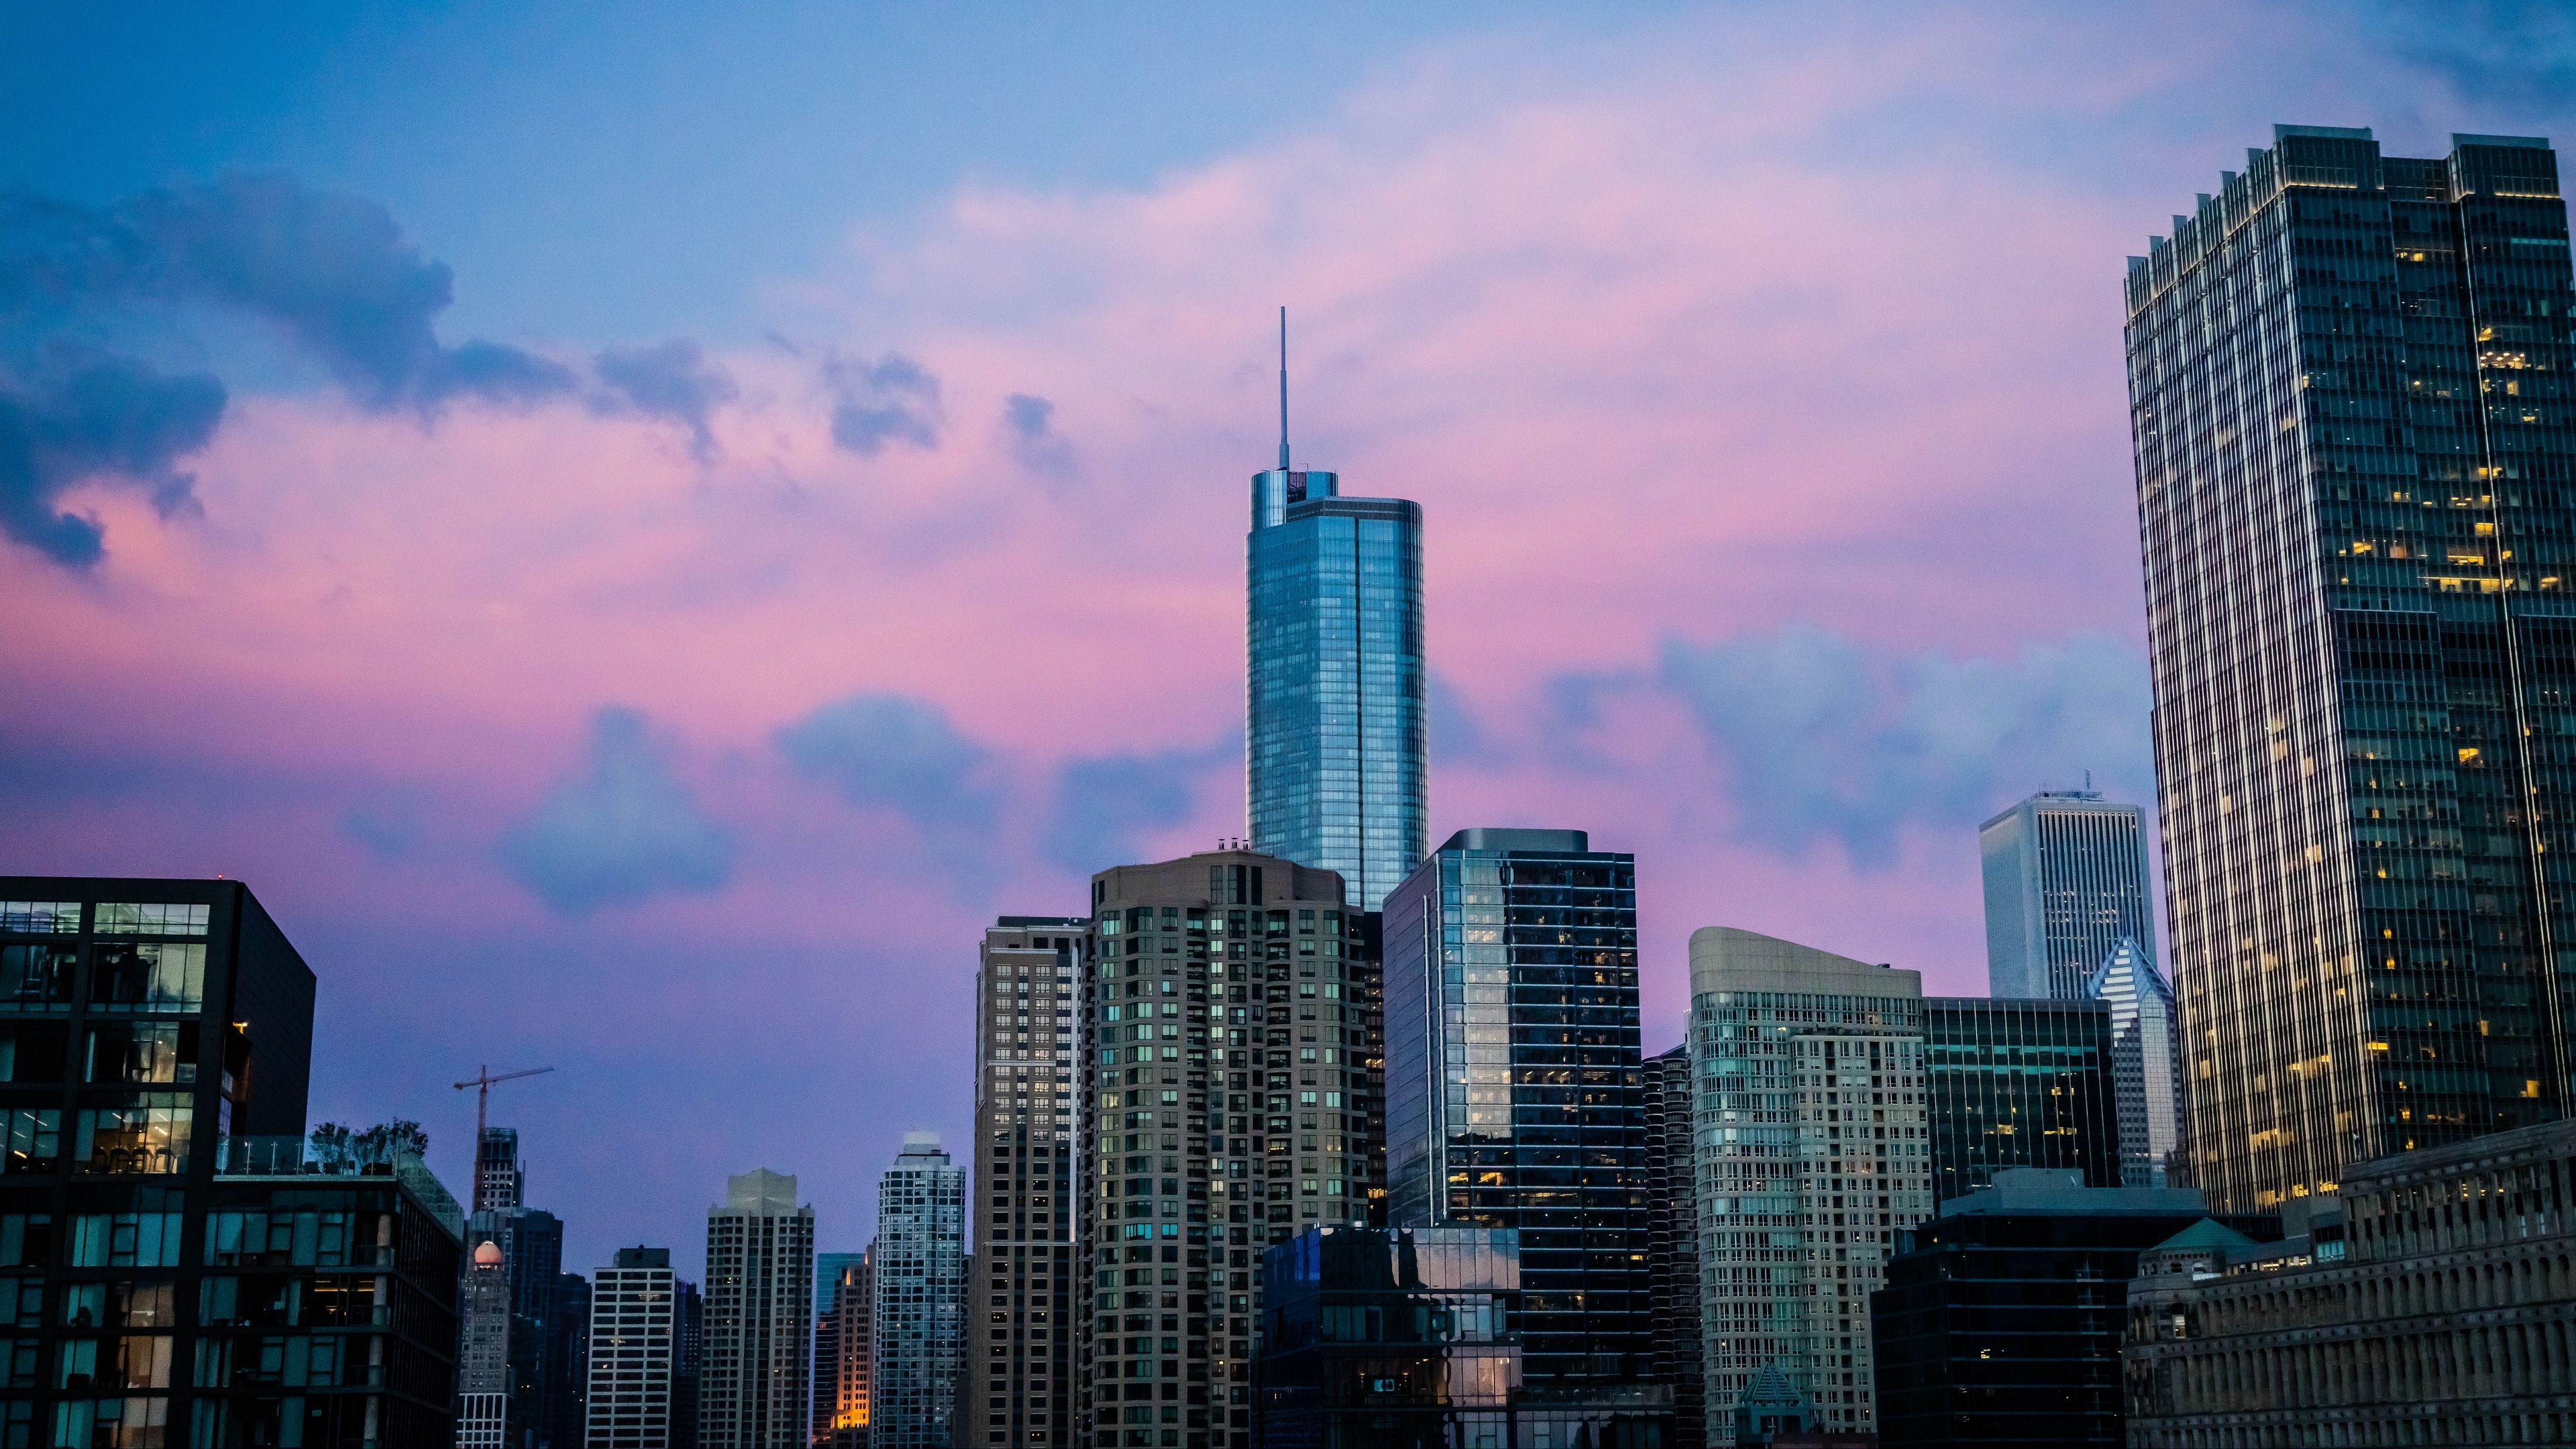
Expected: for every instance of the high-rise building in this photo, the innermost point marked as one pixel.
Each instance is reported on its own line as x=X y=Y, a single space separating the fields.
x=1813 y=1156
x=688 y=1356
x=1018 y=1364
x=2019 y=1082
x=1515 y=1081
x=1672 y=1241
x=1336 y=692
x=568 y=1362
x=2066 y=880
x=2146 y=1055
x=2356 y=512
x=155 y=1037
x=634 y=1328
x=917 y=1328
x=1227 y=1040
x=752 y=1366
x=483 y=1380
x=843 y=1342
x=500 y=1179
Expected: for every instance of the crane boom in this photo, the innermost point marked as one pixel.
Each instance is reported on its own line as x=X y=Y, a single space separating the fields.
x=482 y=1082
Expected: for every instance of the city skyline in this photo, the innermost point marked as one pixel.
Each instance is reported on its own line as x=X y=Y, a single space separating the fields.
x=421 y=634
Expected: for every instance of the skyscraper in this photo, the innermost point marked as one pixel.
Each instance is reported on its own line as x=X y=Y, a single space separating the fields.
x=634 y=1334
x=833 y=1274
x=1018 y=1362
x=1813 y=1155
x=1672 y=1240
x=917 y=1329
x=2015 y=1082
x=2145 y=1063
x=499 y=1177
x=1226 y=1036
x=2066 y=880
x=2356 y=515
x=1335 y=691
x=846 y=1327
x=483 y=1383
x=1515 y=1081
x=752 y=1362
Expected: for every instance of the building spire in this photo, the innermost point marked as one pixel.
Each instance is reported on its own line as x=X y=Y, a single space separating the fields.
x=1283 y=388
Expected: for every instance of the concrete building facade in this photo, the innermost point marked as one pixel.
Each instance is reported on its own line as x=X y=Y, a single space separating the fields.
x=634 y=1330
x=752 y=1367
x=2066 y=879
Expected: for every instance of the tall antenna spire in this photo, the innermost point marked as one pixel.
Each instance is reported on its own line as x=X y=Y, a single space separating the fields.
x=1283 y=388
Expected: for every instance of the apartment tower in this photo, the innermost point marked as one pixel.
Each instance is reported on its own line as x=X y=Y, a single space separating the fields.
x=634 y=1329
x=752 y=1365
x=2360 y=545
x=916 y=1330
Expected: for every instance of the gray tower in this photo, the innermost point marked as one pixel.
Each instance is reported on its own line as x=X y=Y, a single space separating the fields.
x=752 y=1384
x=2360 y=544
x=1338 y=731
x=2066 y=880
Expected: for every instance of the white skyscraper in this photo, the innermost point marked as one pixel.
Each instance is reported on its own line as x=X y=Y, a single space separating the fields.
x=918 y=1333
x=633 y=1334
x=1809 y=1115
x=754 y=1366
x=2066 y=879
x=2145 y=1061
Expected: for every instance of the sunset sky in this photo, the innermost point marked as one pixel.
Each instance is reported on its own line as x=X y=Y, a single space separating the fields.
x=637 y=529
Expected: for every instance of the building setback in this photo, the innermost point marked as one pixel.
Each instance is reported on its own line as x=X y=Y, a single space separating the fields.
x=2019 y=1083
x=2066 y=880
x=1515 y=1082
x=917 y=1328
x=2360 y=548
x=2442 y=1310
x=1018 y=1367
x=634 y=1339
x=1227 y=1041
x=1813 y=1154
x=1337 y=755
x=752 y=1364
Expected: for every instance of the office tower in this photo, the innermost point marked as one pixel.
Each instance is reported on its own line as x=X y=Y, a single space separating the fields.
x=634 y=1305
x=1338 y=735
x=154 y=1043
x=2019 y=1083
x=1017 y=1377
x=2356 y=516
x=688 y=1355
x=2066 y=880
x=831 y=1272
x=568 y=1361
x=1672 y=1241
x=1811 y=1131
x=1229 y=1099
x=2001 y=1322
x=2145 y=1062
x=484 y=1384
x=752 y=1391
x=844 y=1325
x=1515 y=1084
x=1396 y=1338
x=499 y=1177
x=2432 y=1292
x=917 y=1327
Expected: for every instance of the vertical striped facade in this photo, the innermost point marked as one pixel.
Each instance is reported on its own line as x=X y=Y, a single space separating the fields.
x=2066 y=880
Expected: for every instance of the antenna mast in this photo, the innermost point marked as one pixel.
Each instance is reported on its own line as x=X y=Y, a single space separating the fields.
x=1283 y=388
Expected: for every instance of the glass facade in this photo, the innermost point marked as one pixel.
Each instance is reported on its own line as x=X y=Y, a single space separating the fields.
x=2354 y=499
x=1230 y=1039
x=1404 y=1339
x=2066 y=880
x=2146 y=1067
x=2019 y=1084
x=1337 y=737
x=916 y=1334
x=1515 y=1083
x=1672 y=1244
x=1812 y=1155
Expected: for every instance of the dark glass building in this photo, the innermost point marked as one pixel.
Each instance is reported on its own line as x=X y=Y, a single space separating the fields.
x=1372 y=1339
x=1338 y=731
x=172 y=1270
x=1515 y=1086
x=2020 y=1083
x=2002 y=1319
x=1672 y=1242
x=2354 y=495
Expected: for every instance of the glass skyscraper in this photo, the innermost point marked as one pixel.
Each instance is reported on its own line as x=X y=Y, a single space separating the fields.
x=1337 y=730
x=2066 y=880
x=2020 y=1083
x=2354 y=482
x=1514 y=1082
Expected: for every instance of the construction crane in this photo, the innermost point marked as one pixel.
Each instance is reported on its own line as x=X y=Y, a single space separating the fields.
x=482 y=1082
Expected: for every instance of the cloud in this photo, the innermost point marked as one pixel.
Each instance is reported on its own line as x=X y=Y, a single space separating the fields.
x=331 y=271
x=80 y=416
x=890 y=400
x=1457 y=736
x=1824 y=740
x=1028 y=422
x=2515 y=52
x=622 y=828
x=1106 y=805
x=669 y=380
x=891 y=751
